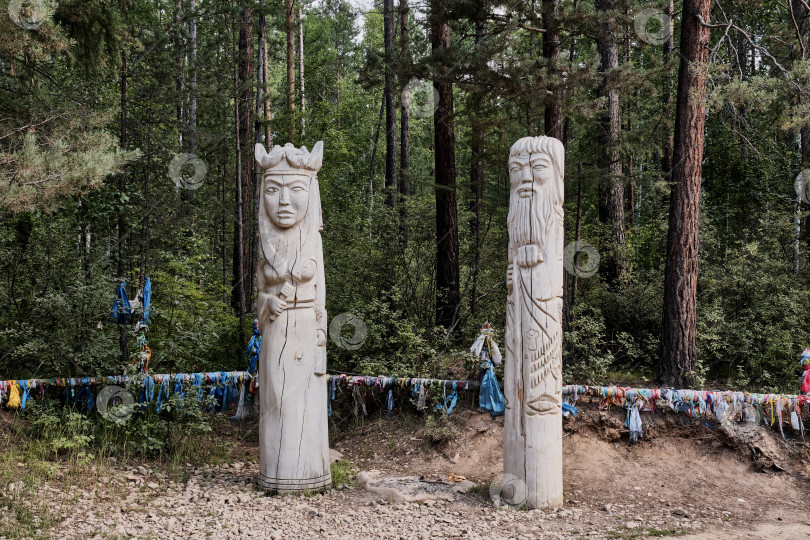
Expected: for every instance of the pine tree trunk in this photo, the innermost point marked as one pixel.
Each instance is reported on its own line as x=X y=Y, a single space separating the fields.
x=372 y=168
x=805 y=142
x=257 y=175
x=390 y=106
x=553 y=116
x=246 y=140
x=805 y=131
x=179 y=61
x=301 y=69
x=191 y=143
x=238 y=300
x=290 y=12
x=666 y=96
x=628 y=115
x=268 y=133
x=122 y=223
x=225 y=217
x=145 y=231
x=577 y=237
x=447 y=264
x=611 y=199
x=404 y=115
x=476 y=184
x=679 y=333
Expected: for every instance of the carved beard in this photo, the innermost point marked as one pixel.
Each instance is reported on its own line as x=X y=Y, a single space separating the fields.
x=530 y=218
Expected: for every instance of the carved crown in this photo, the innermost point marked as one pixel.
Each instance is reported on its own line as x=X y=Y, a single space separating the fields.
x=289 y=159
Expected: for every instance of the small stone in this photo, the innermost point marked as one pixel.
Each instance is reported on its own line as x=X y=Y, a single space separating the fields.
x=464 y=486
x=334 y=455
x=152 y=485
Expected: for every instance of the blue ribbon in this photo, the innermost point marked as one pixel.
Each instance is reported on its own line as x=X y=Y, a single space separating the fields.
x=147 y=392
x=162 y=391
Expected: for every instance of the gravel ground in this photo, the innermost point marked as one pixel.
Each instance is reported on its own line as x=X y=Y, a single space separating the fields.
x=682 y=480
x=223 y=503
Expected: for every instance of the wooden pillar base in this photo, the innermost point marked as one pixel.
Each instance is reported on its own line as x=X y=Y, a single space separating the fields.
x=281 y=486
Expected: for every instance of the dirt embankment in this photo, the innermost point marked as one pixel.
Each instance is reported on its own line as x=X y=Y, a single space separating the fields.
x=736 y=479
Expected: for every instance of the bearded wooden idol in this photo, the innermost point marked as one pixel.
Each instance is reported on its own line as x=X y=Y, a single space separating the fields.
x=533 y=364
x=293 y=429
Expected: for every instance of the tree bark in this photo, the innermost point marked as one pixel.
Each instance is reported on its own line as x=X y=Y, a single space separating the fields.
x=577 y=237
x=238 y=299
x=404 y=115
x=145 y=231
x=476 y=182
x=122 y=223
x=290 y=11
x=374 y=154
x=611 y=199
x=447 y=264
x=191 y=143
x=257 y=174
x=246 y=144
x=679 y=332
x=301 y=69
x=179 y=61
x=805 y=142
x=666 y=96
x=553 y=116
x=268 y=133
x=390 y=106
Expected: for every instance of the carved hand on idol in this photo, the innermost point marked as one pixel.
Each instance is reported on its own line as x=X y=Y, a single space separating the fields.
x=276 y=306
x=320 y=339
x=529 y=255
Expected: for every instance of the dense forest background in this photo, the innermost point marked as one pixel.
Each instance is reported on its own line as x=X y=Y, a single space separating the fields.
x=99 y=99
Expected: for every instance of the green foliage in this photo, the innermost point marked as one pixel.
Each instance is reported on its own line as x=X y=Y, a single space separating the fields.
x=60 y=101
x=343 y=473
x=587 y=360
x=439 y=428
x=173 y=435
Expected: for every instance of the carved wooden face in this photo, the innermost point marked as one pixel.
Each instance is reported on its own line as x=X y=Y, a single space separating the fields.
x=531 y=207
x=286 y=198
x=528 y=171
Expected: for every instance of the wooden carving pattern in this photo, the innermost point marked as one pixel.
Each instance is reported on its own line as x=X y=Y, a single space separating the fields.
x=533 y=362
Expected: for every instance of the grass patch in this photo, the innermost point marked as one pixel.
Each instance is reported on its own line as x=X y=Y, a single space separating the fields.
x=439 y=429
x=625 y=533
x=343 y=473
x=664 y=532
